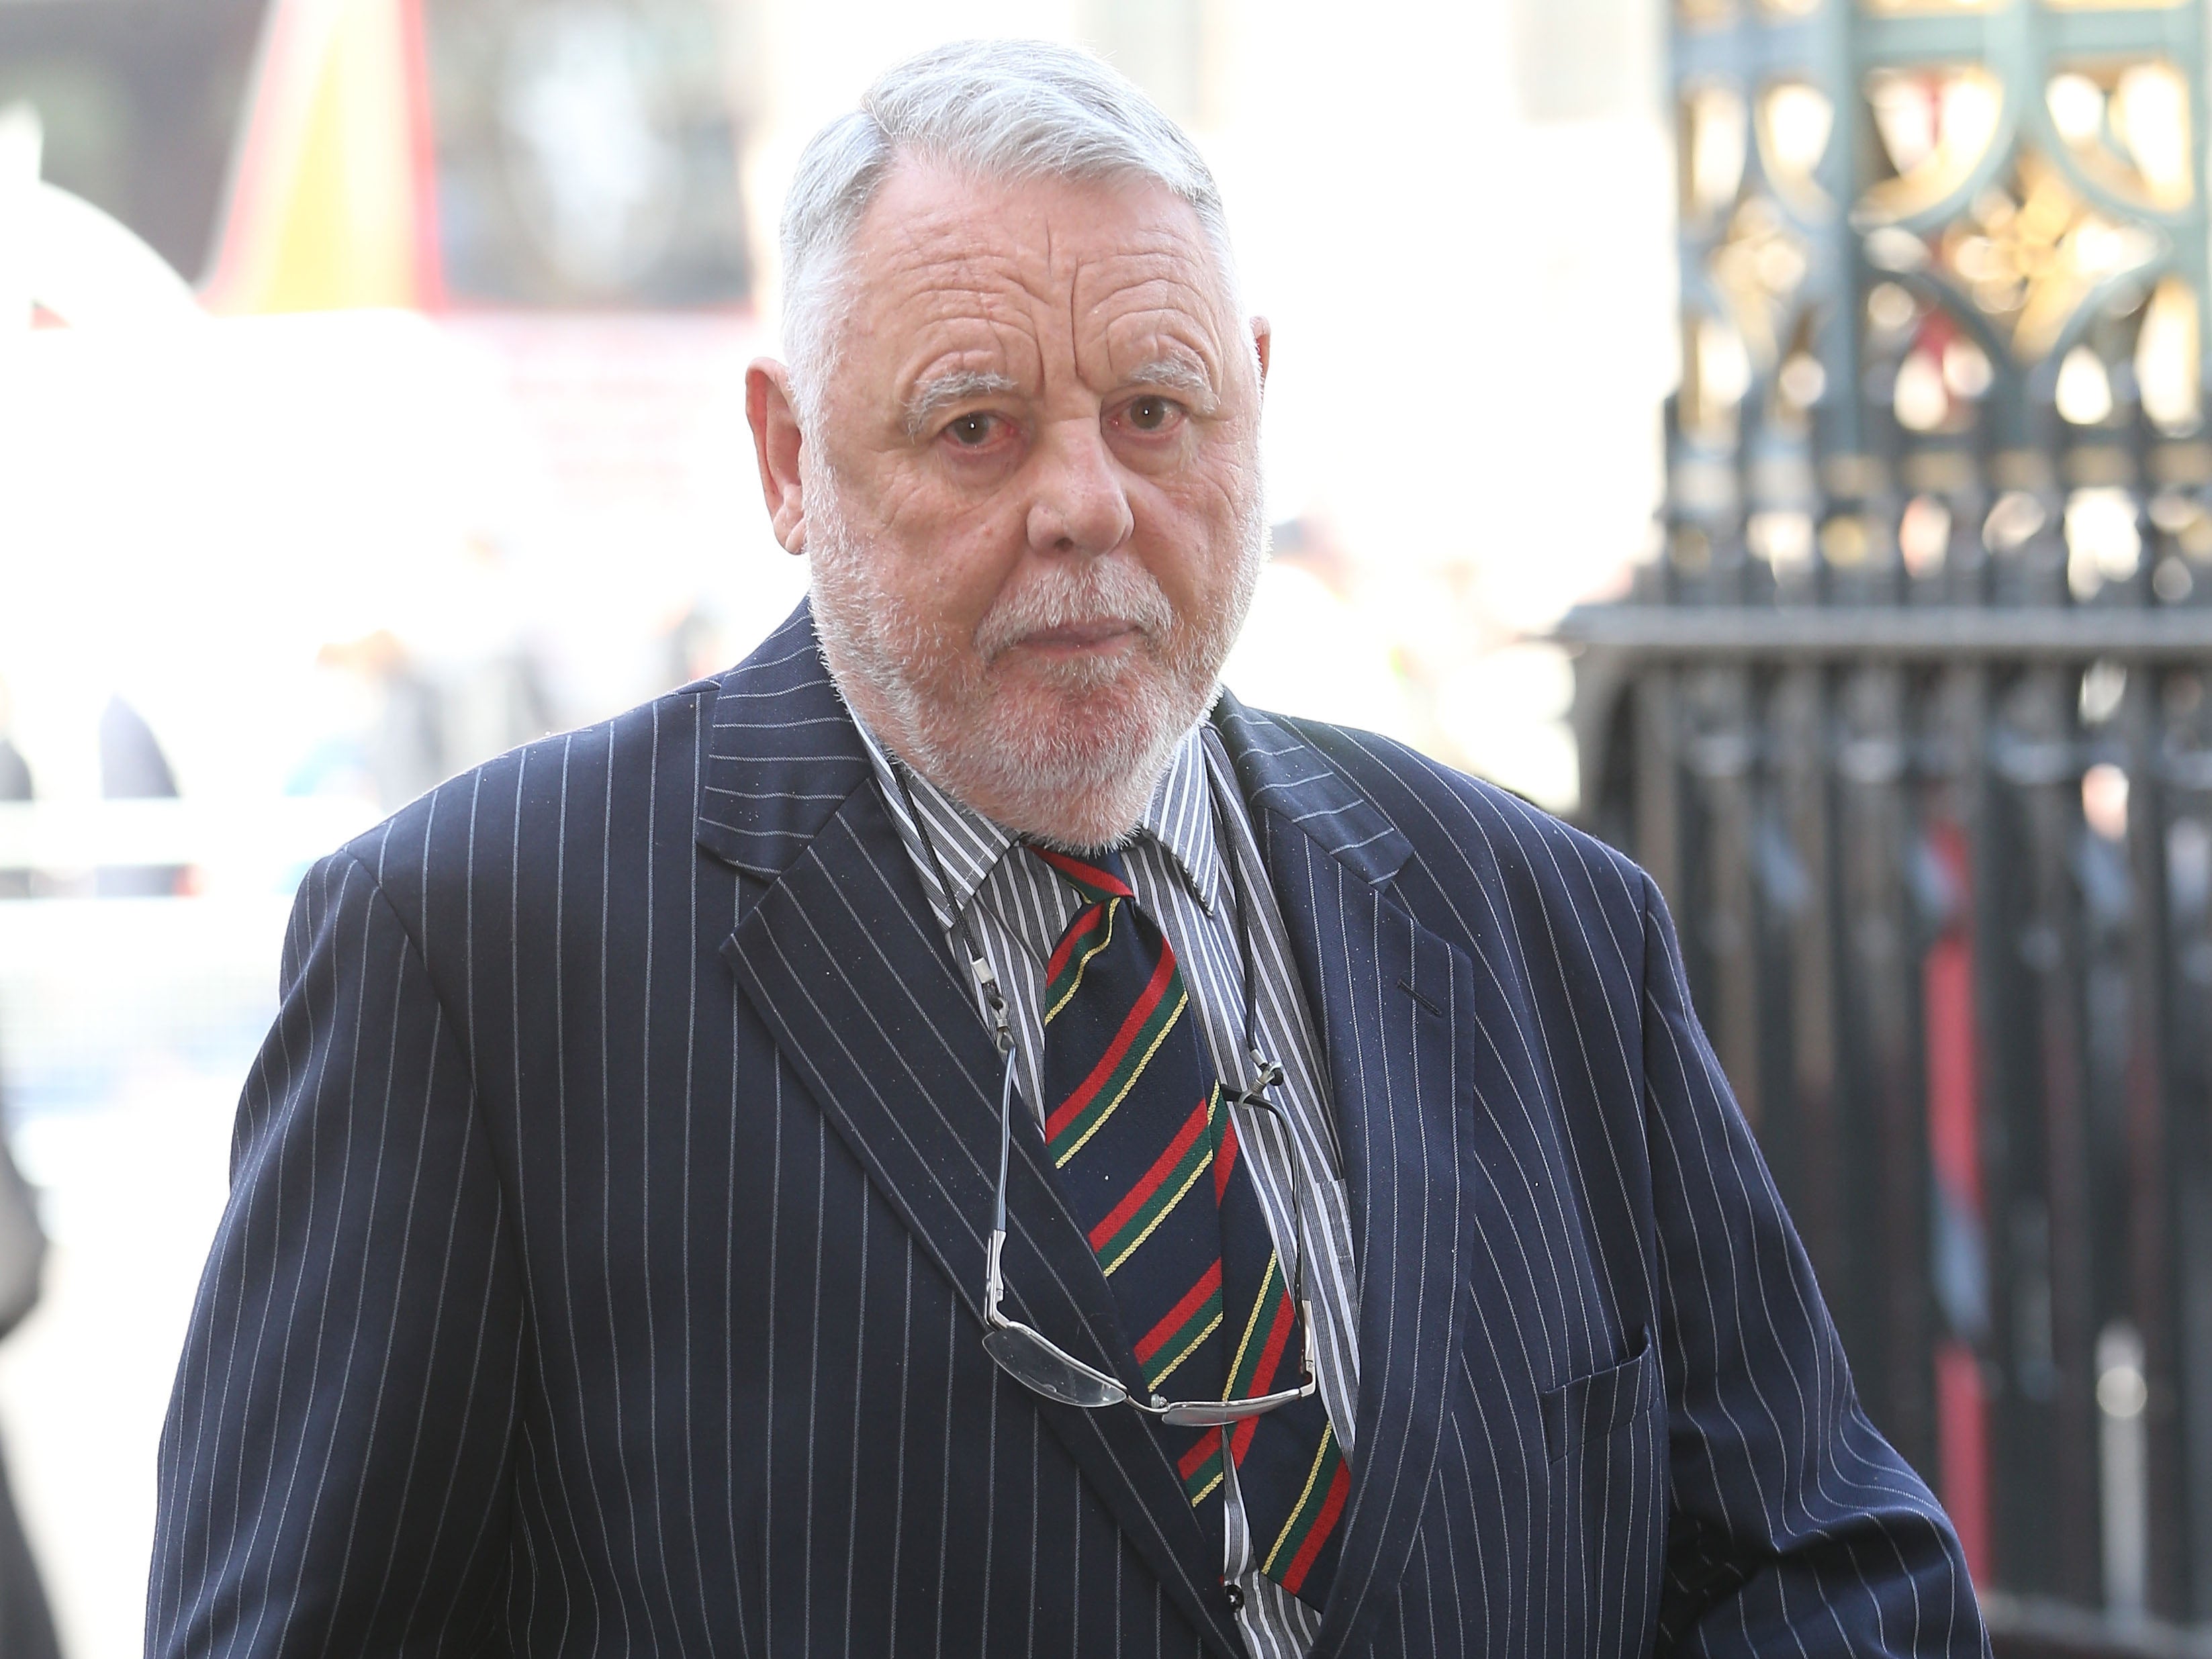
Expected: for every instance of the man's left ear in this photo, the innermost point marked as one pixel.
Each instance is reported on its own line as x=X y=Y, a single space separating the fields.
x=1262 y=336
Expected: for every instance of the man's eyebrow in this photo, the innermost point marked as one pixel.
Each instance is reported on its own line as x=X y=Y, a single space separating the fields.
x=1177 y=374
x=943 y=390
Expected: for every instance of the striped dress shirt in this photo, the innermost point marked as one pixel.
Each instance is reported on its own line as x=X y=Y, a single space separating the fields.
x=1018 y=907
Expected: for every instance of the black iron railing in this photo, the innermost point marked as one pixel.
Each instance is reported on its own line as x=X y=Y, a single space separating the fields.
x=1942 y=874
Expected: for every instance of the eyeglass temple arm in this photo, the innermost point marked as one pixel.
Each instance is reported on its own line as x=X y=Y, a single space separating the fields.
x=1267 y=1075
x=994 y=1286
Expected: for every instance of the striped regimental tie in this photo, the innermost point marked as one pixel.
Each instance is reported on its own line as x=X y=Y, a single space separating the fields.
x=1143 y=1146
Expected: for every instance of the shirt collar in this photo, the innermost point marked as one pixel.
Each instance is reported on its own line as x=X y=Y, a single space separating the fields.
x=1179 y=817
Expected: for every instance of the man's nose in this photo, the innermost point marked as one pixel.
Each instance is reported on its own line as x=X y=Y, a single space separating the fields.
x=1078 y=504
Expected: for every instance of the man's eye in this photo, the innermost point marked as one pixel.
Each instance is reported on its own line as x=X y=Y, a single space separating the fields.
x=973 y=431
x=1151 y=413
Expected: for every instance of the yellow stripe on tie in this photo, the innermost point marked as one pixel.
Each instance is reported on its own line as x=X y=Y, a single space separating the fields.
x=1099 y=1122
x=1320 y=1458
x=1207 y=1493
x=1251 y=1325
x=1204 y=1163
x=1192 y=1347
x=1084 y=962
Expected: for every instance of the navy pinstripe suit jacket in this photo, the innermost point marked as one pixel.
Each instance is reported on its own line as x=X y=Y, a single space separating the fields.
x=601 y=1270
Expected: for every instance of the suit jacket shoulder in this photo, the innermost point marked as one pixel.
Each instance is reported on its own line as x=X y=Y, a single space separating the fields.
x=1465 y=830
x=549 y=835
x=1562 y=924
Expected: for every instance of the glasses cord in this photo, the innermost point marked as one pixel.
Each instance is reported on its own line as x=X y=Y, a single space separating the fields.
x=1265 y=1072
x=988 y=983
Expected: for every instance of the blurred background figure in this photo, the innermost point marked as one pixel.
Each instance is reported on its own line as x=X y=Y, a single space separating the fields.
x=16 y=788
x=26 y=1624
x=402 y=751
x=15 y=770
x=133 y=767
x=27 y=1627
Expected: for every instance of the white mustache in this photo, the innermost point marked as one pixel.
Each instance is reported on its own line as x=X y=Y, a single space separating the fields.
x=1106 y=591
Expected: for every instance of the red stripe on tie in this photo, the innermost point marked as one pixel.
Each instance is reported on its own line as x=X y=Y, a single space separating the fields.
x=1089 y=874
x=1207 y=1443
x=1339 y=1488
x=1279 y=1338
x=1263 y=1374
x=1073 y=1106
x=1209 y=1283
x=1084 y=926
x=1240 y=1440
x=1118 y=1217
x=1224 y=1157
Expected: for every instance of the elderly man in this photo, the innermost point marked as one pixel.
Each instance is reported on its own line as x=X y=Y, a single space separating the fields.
x=958 y=1136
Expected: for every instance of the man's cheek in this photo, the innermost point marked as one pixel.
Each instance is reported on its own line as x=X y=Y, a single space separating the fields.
x=909 y=506
x=1189 y=559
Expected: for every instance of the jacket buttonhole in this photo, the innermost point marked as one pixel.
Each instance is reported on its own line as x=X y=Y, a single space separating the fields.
x=1426 y=1002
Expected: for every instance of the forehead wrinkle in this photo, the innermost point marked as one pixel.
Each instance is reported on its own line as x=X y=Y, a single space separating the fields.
x=1160 y=330
x=936 y=269
x=1155 y=256
x=1133 y=286
x=952 y=288
x=1166 y=345
x=966 y=340
x=1155 y=279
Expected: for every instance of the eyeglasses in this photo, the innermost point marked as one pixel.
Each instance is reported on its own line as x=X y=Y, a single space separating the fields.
x=1041 y=1365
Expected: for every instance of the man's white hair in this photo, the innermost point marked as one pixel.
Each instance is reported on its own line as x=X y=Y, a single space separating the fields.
x=1007 y=111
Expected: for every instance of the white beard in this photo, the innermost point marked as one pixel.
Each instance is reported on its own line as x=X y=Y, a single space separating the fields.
x=1075 y=767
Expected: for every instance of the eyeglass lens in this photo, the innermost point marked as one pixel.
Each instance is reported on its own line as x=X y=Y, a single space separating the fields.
x=1218 y=1413
x=1036 y=1365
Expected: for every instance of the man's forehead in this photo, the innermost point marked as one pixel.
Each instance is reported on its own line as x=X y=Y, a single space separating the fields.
x=1119 y=341
x=933 y=207
x=978 y=277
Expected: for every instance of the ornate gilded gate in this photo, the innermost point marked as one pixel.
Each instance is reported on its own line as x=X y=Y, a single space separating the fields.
x=1910 y=720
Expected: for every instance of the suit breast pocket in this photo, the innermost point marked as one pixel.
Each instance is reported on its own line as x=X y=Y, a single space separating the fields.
x=1590 y=1408
x=1606 y=1437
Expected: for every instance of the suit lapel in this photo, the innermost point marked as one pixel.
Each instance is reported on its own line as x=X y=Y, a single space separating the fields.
x=1394 y=1002
x=861 y=998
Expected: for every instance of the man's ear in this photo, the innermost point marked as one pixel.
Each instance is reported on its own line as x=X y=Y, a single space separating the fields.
x=776 y=443
x=1262 y=338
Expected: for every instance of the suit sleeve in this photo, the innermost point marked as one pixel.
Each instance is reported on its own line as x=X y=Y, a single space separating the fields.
x=334 y=1467
x=1796 y=1528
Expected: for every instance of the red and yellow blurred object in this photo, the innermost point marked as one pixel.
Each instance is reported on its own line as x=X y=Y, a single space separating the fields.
x=334 y=202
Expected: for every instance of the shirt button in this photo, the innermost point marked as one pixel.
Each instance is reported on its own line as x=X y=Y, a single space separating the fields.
x=1235 y=1595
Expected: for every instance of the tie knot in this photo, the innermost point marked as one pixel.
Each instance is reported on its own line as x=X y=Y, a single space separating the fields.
x=1099 y=876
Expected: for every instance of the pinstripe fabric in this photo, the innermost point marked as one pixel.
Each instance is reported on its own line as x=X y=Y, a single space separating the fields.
x=1019 y=908
x=600 y=1271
